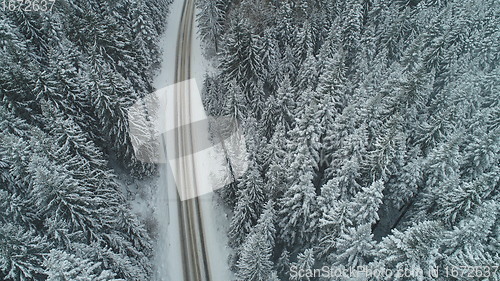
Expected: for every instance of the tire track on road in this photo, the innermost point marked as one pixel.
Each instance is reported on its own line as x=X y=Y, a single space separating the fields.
x=195 y=262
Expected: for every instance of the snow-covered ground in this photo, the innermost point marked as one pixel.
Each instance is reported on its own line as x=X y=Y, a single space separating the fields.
x=215 y=222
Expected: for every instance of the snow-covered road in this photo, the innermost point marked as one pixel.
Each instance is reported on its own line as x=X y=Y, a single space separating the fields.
x=169 y=253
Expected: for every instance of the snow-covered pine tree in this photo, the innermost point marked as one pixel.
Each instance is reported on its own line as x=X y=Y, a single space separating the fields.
x=401 y=190
x=354 y=247
x=22 y=252
x=389 y=150
x=352 y=29
x=305 y=41
x=63 y=65
x=241 y=222
x=414 y=249
x=285 y=23
x=255 y=259
x=307 y=76
x=109 y=93
x=305 y=262
x=283 y=263
x=241 y=61
x=266 y=224
x=298 y=208
x=307 y=132
x=270 y=59
x=280 y=108
x=211 y=19
x=469 y=242
x=331 y=88
x=252 y=184
x=335 y=217
x=367 y=202
x=212 y=96
x=60 y=265
x=12 y=42
x=143 y=34
x=235 y=105
x=35 y=29
x=276 y=177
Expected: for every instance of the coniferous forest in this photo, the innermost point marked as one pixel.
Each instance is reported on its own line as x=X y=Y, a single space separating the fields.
x=66 y=78
x=373 y=133
x=372 y=129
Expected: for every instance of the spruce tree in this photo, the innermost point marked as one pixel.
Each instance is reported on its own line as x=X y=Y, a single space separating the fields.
x=298 y=207
x=367 y=203
x=22 y=253
x=60 y=266
x=305 y=262
x=414 y=249
x=255 y=259
x=211 y=18
x=355 y=246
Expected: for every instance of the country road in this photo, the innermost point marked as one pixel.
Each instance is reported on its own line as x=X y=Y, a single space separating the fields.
x=195 y=261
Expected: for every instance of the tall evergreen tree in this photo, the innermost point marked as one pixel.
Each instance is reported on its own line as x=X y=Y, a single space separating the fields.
x=255 y=262
x=298 y=209
x=355 y=246
x=211 y=19
x=305 y=262
x=63 y=266
x=367 y=203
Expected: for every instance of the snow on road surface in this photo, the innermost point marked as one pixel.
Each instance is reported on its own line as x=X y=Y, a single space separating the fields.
x=168 y=256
